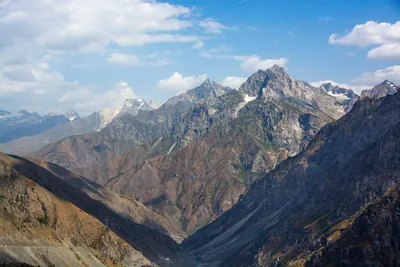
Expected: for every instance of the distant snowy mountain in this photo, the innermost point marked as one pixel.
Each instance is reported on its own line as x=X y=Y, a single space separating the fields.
x=343 y=95
x=130 y=106
x=67 y=124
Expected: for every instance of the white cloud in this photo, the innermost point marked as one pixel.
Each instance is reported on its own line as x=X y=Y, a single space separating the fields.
x=35 y=27
x=123 y=59
x=386 y=51
x=372 y=33
x=369 y=33
x=212 y=26
x=141 y=39
x=38 y=87
x=178 y=82
x=391 y=73
x=249 y=63
x=155 y=59
x=233 y=82
x=255 y=63
x=198 y=45
x=89 y=99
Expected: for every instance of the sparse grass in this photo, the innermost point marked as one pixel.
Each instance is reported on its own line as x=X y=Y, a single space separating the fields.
x=44 y=219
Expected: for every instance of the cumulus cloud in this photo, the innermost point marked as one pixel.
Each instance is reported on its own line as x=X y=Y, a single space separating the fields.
x=34 y=27
x=233 y=82
x=249 y=63
x=391 y=73
x=178 y=82
x=90 y=99
x=369 y=33
x=372 y=33
x=255 y=63
x=386 y=51
x=38 y=87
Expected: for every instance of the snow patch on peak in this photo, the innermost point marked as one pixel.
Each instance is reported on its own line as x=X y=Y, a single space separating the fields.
x=248 y=98
x=107 y=115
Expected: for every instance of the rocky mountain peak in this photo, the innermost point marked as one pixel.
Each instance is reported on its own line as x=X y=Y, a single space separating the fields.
x=209 y=89
x=277 y=69
x=71 y=115
x=381 y=90
x=337 y=91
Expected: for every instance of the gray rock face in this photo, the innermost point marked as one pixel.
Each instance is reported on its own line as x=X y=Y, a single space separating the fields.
x=198 y=157
x=276 y=83
x=381 y=90
x=297 y=209
x=207 y=90
x=343 y=96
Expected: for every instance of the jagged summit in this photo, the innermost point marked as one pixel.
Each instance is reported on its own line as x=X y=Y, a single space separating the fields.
x=341 y=93
x=71 y=115
x=277 y=68
x=276 y=84
x=381 y=90
x=208 y=89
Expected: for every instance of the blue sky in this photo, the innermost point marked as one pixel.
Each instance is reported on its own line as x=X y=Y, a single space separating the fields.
x=59 y=54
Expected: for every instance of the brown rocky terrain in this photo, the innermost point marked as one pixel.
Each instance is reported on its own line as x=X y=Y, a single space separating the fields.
x=126 y=206
x=318 y=207
x=46 y=215
x=200 y=167
x=39 y=228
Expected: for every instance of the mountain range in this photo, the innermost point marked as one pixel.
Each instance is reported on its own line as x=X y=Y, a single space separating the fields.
x=275 y=173
x=309 y=210
x=39 y=133
x=214 y=145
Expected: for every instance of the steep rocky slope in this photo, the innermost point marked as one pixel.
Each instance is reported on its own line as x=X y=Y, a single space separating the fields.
x=125 y=206
x=199 y=169
x=343 y=96
x=306 y=204
x=125 y=132
x=381 y=90
x=367 y=239
x=40 y=228
x=152 y=244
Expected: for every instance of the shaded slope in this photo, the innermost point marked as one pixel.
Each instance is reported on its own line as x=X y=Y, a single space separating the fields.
x=39 y=228
x=193 y=185
x=348 y=165
x=154 y=245
x=126 y=206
